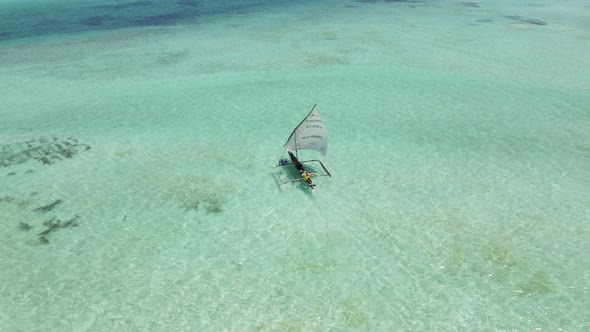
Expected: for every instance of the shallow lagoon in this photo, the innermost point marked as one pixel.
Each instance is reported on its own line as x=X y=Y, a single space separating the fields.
x=459 y=148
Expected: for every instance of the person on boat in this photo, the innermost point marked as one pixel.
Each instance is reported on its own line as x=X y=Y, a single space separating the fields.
x=306 y=176
x=282 y=161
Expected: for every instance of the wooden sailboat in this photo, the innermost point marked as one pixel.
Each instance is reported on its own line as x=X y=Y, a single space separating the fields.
x=310 y=134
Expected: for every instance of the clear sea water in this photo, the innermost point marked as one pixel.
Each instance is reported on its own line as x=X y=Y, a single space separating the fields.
x=137 y=138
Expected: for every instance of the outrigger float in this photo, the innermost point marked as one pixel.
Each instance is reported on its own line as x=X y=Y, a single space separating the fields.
x=310 y=134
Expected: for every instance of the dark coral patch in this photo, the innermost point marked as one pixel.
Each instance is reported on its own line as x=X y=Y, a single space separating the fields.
x=470 y=4
x=5 y=35
x=526 y=20
x=46 y=150
x=48 y=207
x=164 y=19
x=123 y=6
x=394 y=1
x=55 y=224
x=485 y=20
x=95 y=21
x=67 y=18
x=188 y=2
x=23 y=226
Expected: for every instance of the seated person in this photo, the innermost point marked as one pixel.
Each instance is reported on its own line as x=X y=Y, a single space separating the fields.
x=306 y=176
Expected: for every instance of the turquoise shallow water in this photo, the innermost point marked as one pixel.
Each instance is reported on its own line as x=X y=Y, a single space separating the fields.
x=138 y=152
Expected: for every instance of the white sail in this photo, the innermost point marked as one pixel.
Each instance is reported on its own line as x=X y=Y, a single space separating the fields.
x=311 y=134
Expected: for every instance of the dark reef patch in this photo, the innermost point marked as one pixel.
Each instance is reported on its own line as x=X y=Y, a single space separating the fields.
x=23 y=203
x=23 y=226
x=172 y=58
x=165 y=19
x=55 y=224
x=525 y=20
x=50 y=225
x=46 y=150
x=28 y=20
x=195 y=193
x=48 y=207
x=392 y=1
x=96 y=21
x=49 y=24
x=469 y=4
x=188 y=2
x=209 y=205
x=485 y=20
x=123 y=6
x=7 y=199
